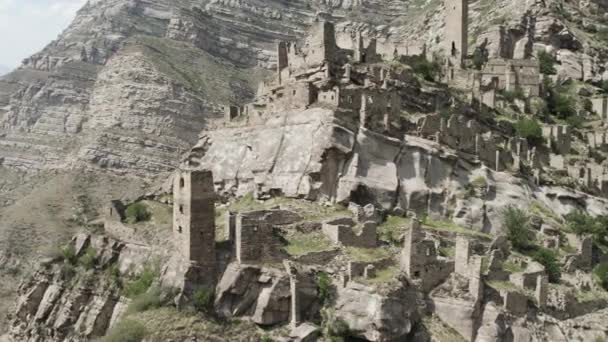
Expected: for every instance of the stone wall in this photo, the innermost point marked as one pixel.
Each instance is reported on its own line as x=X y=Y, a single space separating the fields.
x=513 y=74
x=419 y=259
x=254 y=237
x=341 y=231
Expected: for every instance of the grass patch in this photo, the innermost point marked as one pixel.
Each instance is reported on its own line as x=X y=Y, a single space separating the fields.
x=539 y=208
x=126 y=330
x=384 y=276
x=145 y=301
x=301 y=244
x=447 y=251
x=141 y=283
x=512 y=267
x=310 y=211
x=447 y=226
x=439 y=331
x=507 y=286
x=171 y=324
x=391 y=230
x=368 y=254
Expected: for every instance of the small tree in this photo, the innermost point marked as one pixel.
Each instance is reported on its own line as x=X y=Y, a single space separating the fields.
x=137 y=212
x=530 y=130
x=564 y=106
x=547 y=63
x=517 y=225
x=601 y=275
x=68 y=253
x=548 y=259
x=323 y=287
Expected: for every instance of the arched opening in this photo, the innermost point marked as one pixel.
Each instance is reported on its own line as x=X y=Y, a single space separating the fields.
x=181 y=209
x=179 y=229
x=181 y=182
x=454 y=49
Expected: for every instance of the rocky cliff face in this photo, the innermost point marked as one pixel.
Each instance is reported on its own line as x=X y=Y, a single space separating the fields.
x=128 y=87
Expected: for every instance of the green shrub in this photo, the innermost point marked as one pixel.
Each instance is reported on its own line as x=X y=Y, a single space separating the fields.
x=581 y=223
x=67 y=271
x=141 y=283
x=430 y=71
x=588 y=105
x=89 y=258
x=146 y=301
x=323 y=287
x=203 y=300
x=547 y=258
x=113 y=276
x=480 y=57
x=126 y=331
x=517 y=224
x=68 y=253
x=137 y=212
x=604 y=86
x=575 y=121
x=547 y=63
x=334 y=328
x=601 y=275
x=602 y=34
x=512 y=95
x=564 y=106
x=530 y=130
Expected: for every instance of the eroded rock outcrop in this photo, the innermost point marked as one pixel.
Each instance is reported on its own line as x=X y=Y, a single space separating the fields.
x=65 y=301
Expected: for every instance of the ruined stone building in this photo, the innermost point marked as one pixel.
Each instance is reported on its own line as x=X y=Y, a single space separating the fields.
x=321 y=73
x=499 y=73
x=419 y=259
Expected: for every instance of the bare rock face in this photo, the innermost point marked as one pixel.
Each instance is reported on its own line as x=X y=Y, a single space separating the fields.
x=255 y=292
x=63 y=301
x=318 y=154
x=375 y=316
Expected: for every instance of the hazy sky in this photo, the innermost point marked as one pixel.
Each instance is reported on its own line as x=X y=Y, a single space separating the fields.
x=26 y=26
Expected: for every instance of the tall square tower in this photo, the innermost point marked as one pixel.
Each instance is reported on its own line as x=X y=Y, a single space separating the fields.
x=457 y=28
x=194 y=217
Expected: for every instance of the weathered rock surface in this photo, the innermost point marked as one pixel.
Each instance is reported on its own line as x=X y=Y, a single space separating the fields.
x=66 y=302
x=253 y=291
x=375 y=316
x=318 y=154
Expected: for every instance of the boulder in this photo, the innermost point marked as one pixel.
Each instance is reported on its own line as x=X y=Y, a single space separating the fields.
x=373 y=316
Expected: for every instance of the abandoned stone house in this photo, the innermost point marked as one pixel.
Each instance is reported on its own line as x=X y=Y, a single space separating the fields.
x=419 y=259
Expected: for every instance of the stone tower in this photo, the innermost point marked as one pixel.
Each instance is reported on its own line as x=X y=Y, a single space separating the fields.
x=194 y=218
x=456 y=28
x=321 y=44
